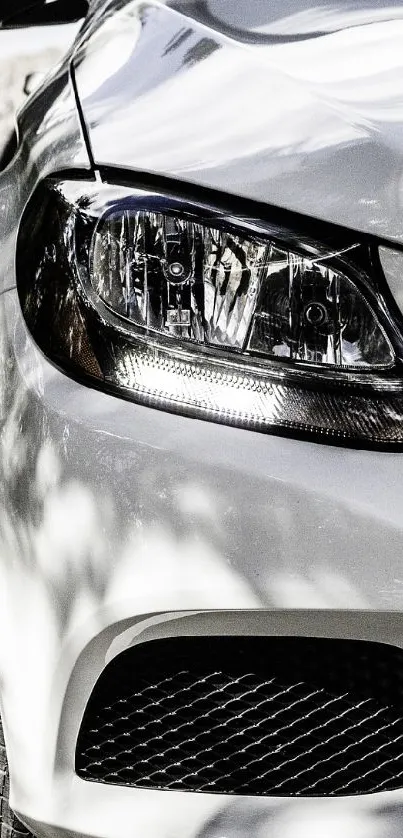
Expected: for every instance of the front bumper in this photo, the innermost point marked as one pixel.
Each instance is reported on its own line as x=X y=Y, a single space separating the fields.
x=118 y=519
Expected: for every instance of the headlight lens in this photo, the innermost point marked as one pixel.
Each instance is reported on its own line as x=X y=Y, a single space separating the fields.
x=187 y=307
x=218 y=287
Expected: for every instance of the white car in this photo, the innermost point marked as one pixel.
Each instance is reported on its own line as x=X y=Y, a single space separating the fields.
x=201 y=402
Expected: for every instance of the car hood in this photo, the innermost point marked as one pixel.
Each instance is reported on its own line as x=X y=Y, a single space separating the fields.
x=287 y=103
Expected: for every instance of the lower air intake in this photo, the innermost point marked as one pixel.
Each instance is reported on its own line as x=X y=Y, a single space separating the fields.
x=256 y=716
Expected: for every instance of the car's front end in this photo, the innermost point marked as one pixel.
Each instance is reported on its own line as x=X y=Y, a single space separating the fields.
x=201 y=503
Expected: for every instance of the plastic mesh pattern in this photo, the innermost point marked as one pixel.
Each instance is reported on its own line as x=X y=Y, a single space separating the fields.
x=257 y=716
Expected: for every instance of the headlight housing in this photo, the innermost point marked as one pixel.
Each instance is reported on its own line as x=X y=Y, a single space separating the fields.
x=271 y=323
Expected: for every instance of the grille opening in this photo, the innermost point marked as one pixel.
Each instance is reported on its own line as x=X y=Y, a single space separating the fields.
x=283 y=716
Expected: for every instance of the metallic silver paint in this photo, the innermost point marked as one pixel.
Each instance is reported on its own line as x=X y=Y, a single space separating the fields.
x=112 y=513
x=287 y=19
x=313 y=124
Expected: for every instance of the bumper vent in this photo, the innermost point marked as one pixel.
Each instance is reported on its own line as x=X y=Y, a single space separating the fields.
x=257 y=716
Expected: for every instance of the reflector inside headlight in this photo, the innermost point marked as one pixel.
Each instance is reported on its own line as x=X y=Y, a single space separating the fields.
x=217 y=287
x=188 y=307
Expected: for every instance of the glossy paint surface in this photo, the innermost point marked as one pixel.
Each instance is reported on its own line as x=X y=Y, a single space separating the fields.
x=311 y=120
x=287 y=19
x=117 y=521
x=115 y=515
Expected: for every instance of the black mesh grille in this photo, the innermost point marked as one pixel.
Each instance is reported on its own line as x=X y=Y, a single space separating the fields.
x=281 y=716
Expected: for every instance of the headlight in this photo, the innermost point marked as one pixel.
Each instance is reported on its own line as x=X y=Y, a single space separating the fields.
x=224 y=288
x=223 y=316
